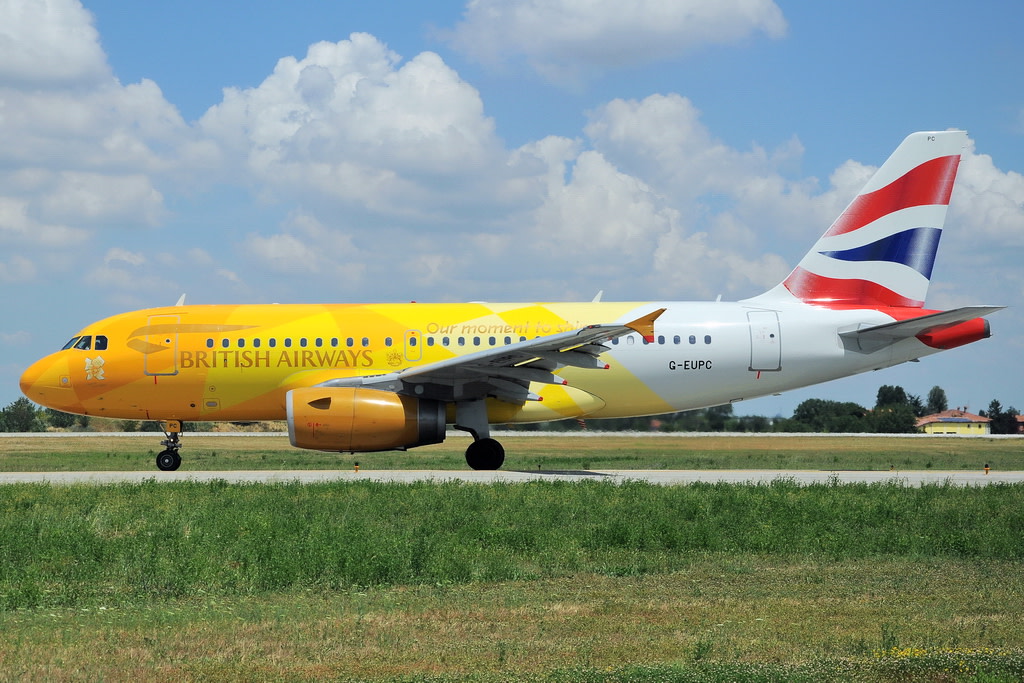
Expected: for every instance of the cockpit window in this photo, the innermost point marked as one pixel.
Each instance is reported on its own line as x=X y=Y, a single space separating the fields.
x=85 y=343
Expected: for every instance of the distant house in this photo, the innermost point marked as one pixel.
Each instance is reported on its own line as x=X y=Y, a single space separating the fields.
x=1020 y=424
x=954 y=421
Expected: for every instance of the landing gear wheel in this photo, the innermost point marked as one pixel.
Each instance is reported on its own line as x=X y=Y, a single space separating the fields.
x=485 y=454
x=168 y=460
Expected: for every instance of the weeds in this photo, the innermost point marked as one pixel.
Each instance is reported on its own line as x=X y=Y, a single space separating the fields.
x=75 y=545
x=545 y=581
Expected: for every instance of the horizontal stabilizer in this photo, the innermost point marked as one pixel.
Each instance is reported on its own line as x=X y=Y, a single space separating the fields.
x=870 y=339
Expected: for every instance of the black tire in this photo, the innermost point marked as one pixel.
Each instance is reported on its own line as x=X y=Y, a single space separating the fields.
x=485 y=454
x=168 y=461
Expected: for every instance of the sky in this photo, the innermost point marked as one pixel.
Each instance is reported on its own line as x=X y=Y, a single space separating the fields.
x=496 y=150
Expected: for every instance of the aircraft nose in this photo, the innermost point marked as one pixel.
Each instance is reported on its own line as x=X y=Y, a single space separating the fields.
x=48 y=383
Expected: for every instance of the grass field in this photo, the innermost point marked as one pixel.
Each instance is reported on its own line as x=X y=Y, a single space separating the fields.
x=114 y=452
x=557 y=581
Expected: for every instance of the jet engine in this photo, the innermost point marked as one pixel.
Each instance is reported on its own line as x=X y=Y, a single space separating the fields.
x=360 y=419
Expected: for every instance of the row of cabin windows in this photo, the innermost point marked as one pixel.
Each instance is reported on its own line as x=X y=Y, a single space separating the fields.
x=676 y=339
x=349 y=342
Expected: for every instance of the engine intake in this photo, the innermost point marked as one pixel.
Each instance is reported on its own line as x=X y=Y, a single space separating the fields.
x=359 y=419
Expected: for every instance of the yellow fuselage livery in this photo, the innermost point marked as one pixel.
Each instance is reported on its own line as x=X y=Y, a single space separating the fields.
x=239 y=362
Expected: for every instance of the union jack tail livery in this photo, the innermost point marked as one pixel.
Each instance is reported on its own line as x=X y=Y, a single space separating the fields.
x=880 y=251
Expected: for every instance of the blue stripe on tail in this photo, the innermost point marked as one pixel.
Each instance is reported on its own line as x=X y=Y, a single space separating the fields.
x=914 y=248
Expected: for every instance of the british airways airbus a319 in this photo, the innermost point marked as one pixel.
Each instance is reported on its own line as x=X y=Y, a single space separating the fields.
x=372 y=377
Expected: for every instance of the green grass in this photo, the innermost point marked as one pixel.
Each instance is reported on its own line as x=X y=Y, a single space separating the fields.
x=114 y=452
x=720 y=618
x=538 y=581
x=541 y=581
x=81 y=545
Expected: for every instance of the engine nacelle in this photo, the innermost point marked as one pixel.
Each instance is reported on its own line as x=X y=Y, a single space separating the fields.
x=359 y=419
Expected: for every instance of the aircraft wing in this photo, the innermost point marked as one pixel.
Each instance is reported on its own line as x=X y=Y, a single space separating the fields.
x=505 y=372
x=871 y=339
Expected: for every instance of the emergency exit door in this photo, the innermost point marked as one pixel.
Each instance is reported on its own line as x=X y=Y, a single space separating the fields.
x=765 y=341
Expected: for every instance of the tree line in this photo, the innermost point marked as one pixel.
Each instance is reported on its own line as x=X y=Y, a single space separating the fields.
x=895 y=412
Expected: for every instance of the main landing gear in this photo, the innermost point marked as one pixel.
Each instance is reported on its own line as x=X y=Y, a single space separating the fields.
x=168 y=460
x=484 y=453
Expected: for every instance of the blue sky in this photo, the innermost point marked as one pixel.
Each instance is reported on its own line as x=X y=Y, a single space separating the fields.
x=491 y=150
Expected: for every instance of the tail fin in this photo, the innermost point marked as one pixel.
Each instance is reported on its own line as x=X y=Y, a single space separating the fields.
x=881 y=250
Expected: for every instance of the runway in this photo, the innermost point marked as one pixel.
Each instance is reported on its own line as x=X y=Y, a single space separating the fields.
x=662 y=477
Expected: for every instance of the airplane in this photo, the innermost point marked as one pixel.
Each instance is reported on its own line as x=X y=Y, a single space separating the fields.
x=390 y=376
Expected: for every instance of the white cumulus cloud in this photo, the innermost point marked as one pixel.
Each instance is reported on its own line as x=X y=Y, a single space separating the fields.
x=566 y=40
x=49 y=43
x=351 y=123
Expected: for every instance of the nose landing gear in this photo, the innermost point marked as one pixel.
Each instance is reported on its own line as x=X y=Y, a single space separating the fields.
x=168 y=459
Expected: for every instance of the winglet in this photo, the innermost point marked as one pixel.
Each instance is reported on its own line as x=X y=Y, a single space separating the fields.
x=645 y=326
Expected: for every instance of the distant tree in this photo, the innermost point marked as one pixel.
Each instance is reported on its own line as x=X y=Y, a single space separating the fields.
x=821 y=415
x=890 y=395
x=893 y=419
x=60 y=420
x=717 y=416
x=916 y=405
x=22 y=416
x=751 y=423
x=1001 y=421
x=936 y=401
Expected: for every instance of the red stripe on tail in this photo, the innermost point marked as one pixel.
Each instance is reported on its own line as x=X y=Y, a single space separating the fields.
x=817 y=289
x=929 y=183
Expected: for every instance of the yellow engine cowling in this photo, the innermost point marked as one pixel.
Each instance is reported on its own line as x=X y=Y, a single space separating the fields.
x=359 y=419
